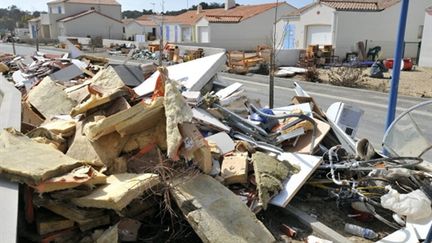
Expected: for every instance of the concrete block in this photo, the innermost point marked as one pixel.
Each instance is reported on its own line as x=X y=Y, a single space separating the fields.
x=235 y=168
x=217 y=214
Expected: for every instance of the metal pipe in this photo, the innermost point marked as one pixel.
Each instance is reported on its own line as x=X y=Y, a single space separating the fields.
x=301 y=116
x=396 y=64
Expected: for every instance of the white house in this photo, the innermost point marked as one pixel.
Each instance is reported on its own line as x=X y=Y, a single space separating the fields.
x=40 y=26
x=426 y=47
x=79 y=18
x=343 y=23
x=145 y=25
x=233 y=27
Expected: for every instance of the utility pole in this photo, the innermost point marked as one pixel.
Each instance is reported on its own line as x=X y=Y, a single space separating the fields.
x=13 y=43
x=161 y=35
x=37 y=38
x=393 y=94
x=272 y=60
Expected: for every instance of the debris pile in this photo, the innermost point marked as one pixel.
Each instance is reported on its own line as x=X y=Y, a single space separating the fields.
x=175 y=159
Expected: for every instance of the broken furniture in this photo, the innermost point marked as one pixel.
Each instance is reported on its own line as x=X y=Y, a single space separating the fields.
x=241 y=62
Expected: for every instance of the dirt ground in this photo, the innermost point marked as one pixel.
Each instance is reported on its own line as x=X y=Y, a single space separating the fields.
x=417 y=83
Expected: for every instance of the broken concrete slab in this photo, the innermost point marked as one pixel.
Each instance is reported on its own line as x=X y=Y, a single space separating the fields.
x=193 y=75
x=138 y=118
x=235 y=168
x=16 y=150
x=120 y=190
x=217 y=214
x=131 y=75
x=66 y=73
x=269 y=175
x=50 y=99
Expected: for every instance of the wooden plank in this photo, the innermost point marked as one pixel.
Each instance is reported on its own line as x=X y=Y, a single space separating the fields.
x=303 y=145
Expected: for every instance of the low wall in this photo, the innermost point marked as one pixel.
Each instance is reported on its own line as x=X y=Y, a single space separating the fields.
x=207 y=50
x=287 y=57
x=105 y=42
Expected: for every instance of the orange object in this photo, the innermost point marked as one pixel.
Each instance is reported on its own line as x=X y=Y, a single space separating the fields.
x=407 y=64
x=159 y=90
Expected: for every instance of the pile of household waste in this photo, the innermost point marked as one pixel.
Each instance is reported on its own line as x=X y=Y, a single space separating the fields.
x=175 y=158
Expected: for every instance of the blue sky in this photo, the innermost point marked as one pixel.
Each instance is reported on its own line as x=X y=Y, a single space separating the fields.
x=33 y=5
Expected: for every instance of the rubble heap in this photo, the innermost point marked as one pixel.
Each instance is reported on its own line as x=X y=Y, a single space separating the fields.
x=100 y=163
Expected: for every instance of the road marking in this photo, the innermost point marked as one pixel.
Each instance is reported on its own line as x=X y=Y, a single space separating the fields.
x=424 y=113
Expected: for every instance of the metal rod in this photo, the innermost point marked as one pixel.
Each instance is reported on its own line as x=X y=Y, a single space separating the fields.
x=396 y=64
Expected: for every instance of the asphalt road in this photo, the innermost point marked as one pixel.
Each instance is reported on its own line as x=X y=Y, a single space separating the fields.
x=26 y=50
x=374 y=104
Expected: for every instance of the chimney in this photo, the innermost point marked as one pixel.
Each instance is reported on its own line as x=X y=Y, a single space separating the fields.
x=229 y=4
x=199 y=9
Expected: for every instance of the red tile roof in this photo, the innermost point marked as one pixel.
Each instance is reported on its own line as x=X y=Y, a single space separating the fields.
x=104 y=2
x=350 y=5
x=81 y=14
x=223 y=19
x=220 y=15
x=148 y=22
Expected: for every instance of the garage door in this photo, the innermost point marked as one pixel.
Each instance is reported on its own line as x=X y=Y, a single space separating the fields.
x=319 y=35
x=203 y=33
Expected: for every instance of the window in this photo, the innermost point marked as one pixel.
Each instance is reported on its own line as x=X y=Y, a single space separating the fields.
x=59 y=9
x=167 y=34
x=289 y=35
x=420 y=32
